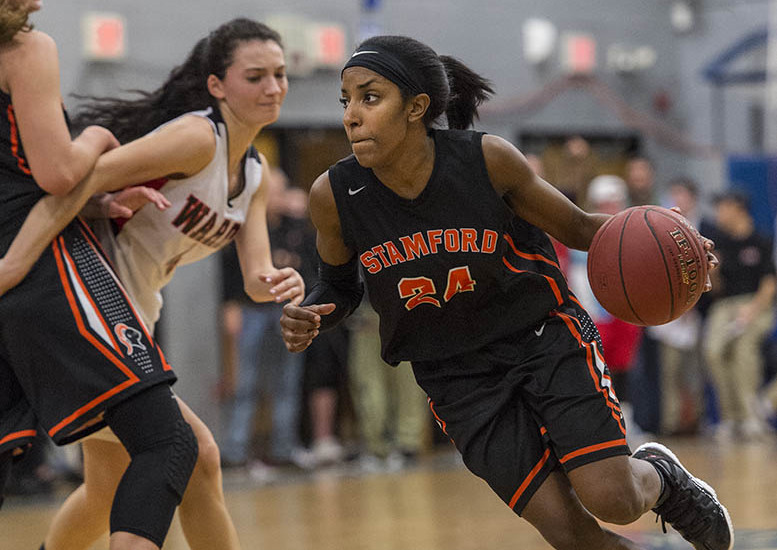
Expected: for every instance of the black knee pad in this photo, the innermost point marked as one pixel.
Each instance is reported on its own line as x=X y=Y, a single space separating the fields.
x=163 y=452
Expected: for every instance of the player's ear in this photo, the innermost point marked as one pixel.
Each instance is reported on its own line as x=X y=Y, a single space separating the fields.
x=215 y=87
x=418 y=107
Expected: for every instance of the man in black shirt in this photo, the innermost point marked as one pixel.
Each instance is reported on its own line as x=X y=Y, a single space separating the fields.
x=740 y=315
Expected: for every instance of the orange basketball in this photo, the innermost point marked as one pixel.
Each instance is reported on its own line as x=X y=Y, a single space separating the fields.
x=647 y=265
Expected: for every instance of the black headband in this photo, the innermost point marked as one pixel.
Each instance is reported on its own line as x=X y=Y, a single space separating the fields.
x=386 y=65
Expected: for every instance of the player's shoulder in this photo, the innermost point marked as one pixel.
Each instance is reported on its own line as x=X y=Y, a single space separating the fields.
x=28 y=48
x=31 y=44
x=196 y=131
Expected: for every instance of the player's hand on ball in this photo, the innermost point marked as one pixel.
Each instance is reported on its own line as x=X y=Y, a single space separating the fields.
x=712 y=261
x=299 y=325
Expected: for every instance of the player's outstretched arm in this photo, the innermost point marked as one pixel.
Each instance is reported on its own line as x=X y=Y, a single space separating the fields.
x=151 y=157
x=535 y=200
x=339 y=290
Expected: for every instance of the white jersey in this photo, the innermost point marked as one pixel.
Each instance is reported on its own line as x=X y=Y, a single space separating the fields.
x=148 y=247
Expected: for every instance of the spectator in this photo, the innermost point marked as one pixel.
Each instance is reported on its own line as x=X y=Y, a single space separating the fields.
x=640 y=177
x=740 y=315
x=391 y=408
x=608 y=194
x=681 y=379
x=258 y=332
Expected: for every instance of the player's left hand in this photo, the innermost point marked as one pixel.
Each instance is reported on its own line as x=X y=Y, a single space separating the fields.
x=712 y=261
x=126 y=202
x=287 y=284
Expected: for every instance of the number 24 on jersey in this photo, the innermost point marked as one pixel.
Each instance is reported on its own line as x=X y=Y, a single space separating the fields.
x=422 y=290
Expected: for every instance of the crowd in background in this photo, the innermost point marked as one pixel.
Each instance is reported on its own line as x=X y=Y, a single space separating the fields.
x=710 y=372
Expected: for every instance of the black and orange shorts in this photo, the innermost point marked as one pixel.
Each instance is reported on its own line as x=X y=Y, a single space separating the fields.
x=526 y=404
x=71 y=345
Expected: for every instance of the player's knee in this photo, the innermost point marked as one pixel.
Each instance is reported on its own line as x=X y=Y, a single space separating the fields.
x=208 y=468
x=182 y=453
x=618 y=503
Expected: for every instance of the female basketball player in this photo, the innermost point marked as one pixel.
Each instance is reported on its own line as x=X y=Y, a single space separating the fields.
x=61 y=362
x=214 y=183
x=449 y=227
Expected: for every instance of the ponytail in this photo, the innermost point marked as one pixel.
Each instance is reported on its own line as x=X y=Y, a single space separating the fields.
x=185 y=89
x=468 y=91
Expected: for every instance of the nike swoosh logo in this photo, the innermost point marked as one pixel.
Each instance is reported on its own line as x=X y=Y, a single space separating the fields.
x=363 y=52
x=540 y=330
x=352 y=192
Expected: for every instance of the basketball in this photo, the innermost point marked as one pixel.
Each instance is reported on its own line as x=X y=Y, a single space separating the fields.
x=647 y=265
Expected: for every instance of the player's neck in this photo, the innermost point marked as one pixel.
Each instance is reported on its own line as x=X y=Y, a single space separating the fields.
x=409 y=173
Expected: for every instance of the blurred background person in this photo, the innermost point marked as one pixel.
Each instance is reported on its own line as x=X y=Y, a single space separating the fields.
x=391 y=409
x=681 y=379
x=640 y=178
x=573 y=168
x=608 y=194
x=646 y=371
x=740 y=315
x=261 y=355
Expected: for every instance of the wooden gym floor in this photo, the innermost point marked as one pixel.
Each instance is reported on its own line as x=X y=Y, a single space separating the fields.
x=435 y=505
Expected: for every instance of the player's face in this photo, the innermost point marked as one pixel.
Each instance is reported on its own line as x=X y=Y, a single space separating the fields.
x=375 y=116
x=255 y=84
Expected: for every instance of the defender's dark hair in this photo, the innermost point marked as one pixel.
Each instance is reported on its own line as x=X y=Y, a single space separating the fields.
x=185 y=89
x=454 y=89
x=13 y=19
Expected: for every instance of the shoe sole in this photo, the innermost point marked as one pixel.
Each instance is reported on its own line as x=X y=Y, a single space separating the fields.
x=704 y=486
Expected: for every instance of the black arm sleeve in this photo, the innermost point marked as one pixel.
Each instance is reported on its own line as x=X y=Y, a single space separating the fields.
x=339 y=285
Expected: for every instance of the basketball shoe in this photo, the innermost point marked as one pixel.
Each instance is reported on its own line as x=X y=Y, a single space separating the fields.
x=687 y=503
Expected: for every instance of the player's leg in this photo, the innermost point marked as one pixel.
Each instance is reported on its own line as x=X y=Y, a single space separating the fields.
x=163 y=452
x=84 y=516
x=573 y=398
x=205 y=521
x=632 y=487
x=556 y=512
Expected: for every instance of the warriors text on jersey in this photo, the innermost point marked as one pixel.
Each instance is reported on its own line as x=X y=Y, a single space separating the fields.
x=452 y=269
x=203 y=218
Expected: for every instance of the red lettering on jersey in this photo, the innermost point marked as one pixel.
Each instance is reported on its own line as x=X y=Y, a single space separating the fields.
x=490 y=238
x=191 y=214
x=419 y=290
x=469 y=240
x=370 y=263
x=452 y=241
x=395 y=256
x=415 y=246
x=435 y=238
x=202 y=232
x=459 y=280
x=213 y=239
x=379 y=251
x=232 y=232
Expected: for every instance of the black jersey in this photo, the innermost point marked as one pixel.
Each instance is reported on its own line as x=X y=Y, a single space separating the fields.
x=452 y=269
x=18 y=190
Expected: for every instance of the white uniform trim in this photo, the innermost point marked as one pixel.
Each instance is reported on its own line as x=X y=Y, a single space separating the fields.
x=202 y=219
